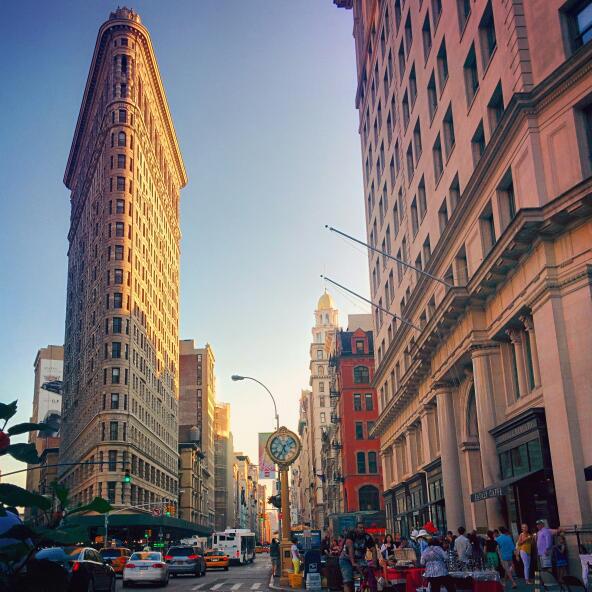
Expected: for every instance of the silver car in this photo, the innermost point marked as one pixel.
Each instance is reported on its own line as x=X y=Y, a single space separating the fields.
x=186 y=559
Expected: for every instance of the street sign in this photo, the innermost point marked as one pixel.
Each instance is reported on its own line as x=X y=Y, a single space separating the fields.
x=156 y=511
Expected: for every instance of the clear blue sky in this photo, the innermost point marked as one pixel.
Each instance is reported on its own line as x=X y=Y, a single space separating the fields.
x=262 y=97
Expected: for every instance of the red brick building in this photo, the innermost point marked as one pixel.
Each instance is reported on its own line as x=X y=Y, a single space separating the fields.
x=357 y=410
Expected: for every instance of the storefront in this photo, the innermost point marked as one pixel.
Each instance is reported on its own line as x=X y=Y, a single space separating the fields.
x=436 y=495
x=526 y=489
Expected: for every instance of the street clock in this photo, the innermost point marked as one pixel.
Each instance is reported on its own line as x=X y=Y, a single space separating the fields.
x=283 y=446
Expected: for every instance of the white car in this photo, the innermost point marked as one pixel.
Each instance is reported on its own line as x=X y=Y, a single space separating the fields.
x=145 y=566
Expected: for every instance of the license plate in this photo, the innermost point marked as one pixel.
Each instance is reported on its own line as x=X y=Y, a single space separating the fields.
x=213 y=560
x=143 y=568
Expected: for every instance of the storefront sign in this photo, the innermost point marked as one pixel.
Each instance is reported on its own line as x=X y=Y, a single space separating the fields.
x=487 y=494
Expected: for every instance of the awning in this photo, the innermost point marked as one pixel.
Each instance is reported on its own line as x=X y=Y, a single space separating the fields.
x=499 y=489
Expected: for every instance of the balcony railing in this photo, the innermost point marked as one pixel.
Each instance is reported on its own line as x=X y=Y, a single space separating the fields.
x=333 y=393
x=337 y=445
x=335 y=418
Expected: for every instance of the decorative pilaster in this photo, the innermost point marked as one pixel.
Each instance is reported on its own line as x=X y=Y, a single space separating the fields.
x=516 y=339
x=529 y=328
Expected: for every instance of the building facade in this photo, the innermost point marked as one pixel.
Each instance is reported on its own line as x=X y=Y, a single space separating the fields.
x=197 y=405
x=224 y=502
x=476 y=132
x=47 y=407
x=303 y=480
x=192 y=501
x=121 y=350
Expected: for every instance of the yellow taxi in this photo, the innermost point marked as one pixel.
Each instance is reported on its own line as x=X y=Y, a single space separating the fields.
x=116 y=557
x=217 y=559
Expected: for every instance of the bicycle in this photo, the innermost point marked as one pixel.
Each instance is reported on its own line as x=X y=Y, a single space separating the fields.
x=361 y=583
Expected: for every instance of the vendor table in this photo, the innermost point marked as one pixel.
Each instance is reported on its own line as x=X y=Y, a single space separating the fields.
x=413 y=579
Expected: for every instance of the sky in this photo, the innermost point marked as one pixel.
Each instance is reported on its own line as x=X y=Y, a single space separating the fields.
x=262 y=98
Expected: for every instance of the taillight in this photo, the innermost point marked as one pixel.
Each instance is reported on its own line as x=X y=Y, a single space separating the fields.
x=158 y=565
x=168 y=557
x=130 y=565
x=238 y=554
x=76 y=566
x=193 y=557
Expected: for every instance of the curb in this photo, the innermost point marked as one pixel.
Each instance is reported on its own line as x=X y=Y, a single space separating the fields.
x=272 y=586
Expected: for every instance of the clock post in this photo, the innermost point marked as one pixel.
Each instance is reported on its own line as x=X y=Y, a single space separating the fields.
x=283 y=447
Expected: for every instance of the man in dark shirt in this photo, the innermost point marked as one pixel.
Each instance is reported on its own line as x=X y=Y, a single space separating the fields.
x=353 y=556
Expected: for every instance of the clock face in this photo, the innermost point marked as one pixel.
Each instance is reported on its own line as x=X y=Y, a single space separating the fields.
x=284 y=448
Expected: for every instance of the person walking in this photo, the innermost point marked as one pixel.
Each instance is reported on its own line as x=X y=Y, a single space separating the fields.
x=524 y=550
x=461 y=544
x=544 y=544
x=560 y=558
x=274 y=554
x=492 y=558
x=434 y=558
x=353 y=555
x=506 y=552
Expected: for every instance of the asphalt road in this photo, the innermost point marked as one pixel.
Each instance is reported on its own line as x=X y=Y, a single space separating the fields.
x=247 y=578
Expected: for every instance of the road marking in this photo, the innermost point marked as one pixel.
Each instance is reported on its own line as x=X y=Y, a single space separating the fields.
x=217 y=586
x=236 y=586
x=198 y=587
x=255 y=586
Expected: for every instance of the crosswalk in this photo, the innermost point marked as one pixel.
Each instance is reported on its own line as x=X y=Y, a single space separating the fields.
x=228 y=586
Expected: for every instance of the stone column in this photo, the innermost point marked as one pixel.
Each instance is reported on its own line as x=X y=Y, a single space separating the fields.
x=516 y=339
x=455 y=516
x=429 y=443
x=529 y=328
x=412 y=452
x=487 y=373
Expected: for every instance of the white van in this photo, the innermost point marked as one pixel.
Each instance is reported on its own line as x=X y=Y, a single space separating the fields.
x=237 y=543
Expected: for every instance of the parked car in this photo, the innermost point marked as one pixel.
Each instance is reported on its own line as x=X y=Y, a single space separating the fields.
x=116 y=557
x=186 y=559
x=217 y=559
x=85 y=568
x=146 y=566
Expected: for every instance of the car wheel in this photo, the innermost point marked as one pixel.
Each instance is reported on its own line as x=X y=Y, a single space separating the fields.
x=126 y=584
x=174 y=575
x=91 y=586
x=113 y=587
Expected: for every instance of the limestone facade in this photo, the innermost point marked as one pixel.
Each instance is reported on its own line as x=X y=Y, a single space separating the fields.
x=121 y=358
x=476 y=132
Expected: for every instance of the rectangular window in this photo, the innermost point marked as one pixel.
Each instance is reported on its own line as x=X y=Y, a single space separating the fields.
x=120 y=183
x=369 y=428
x=113 y=430
x=438 y=160
x=471 y=75
x=401 y=56
x=417 y=141
x=121 y=161
x=410 y=164
x=426 y=251
x=357 y=402
x=116 y=349
x=359 y=430
x=442 y=65
x=114 y=400
x=495 y=107
x=580 y=23
x=449 y=135
x=359 y=346
x=506 y=200
x=443 y=216
x=111 y=492
x=323 y=417
x=361 y=462
x=414 y=217
x=487 y=229
x=112 y=460
x=405 y=109
x=408 y=33
x=120 y=206
x=118 y=276
x=426 y=31
x=478 y=143
x=372 y=462
x=412 y=86
x=117 y=324
x=454 y=193
x=115 y=375
x=369 y=402
x=119 y=252
x=487 y=35
x=432 y=96
x=119 y=229
x=464 y=12
x=117 y=300
x=122 y=116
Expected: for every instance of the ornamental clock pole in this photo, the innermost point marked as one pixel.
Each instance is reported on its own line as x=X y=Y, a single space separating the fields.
x=283 y=447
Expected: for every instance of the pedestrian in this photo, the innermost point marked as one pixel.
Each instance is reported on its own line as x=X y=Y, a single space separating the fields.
x=506 y=552
x=336 y=546
x=353 y=556
x=524 y=550
x=461 y=544
x=326 y=545
x=434 y=558
x=295 y=554
x=492 y=559
x=560 y=558
x=274 y=553
x=544 y=544
x=388 y=547
x=474 y=553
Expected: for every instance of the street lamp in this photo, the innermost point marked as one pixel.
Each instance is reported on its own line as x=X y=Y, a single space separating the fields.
x=236 y=377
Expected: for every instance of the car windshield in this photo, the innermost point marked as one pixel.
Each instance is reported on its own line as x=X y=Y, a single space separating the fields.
x=110 y=553
x=183 y=551
x=59 y=553
x=145 y=556
x=214 y=552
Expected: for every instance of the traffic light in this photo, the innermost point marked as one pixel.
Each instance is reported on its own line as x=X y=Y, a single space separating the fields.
x=127 y=478
x=167 y=510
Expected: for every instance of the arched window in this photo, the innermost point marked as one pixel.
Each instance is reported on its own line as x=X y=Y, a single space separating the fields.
x=121 y=139
x=361 y=375
x=368 y=498
x=472 y=425
x=326 y=319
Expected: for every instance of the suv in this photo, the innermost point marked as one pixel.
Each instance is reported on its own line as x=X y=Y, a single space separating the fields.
x=185 y=559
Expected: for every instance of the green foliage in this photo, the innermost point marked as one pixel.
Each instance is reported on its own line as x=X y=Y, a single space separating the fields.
x=23 y=428
x=7 y=411
x=69 y=535
x=97 y=505
x=61 y=493
x=24 y=452
x=13 y=495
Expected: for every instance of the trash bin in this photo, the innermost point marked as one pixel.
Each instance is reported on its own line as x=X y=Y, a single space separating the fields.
x=333 y=573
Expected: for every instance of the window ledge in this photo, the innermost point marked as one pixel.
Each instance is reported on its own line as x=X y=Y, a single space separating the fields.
x=473 y=99
x=437 y=181
x=449 y=154
x=486 y=66
x=523 y=402
x=443 y=86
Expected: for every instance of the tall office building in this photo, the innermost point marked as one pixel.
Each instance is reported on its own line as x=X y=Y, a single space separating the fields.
x=223 y=461
x=475 y=120
x=197 y=409
x=121 y=358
